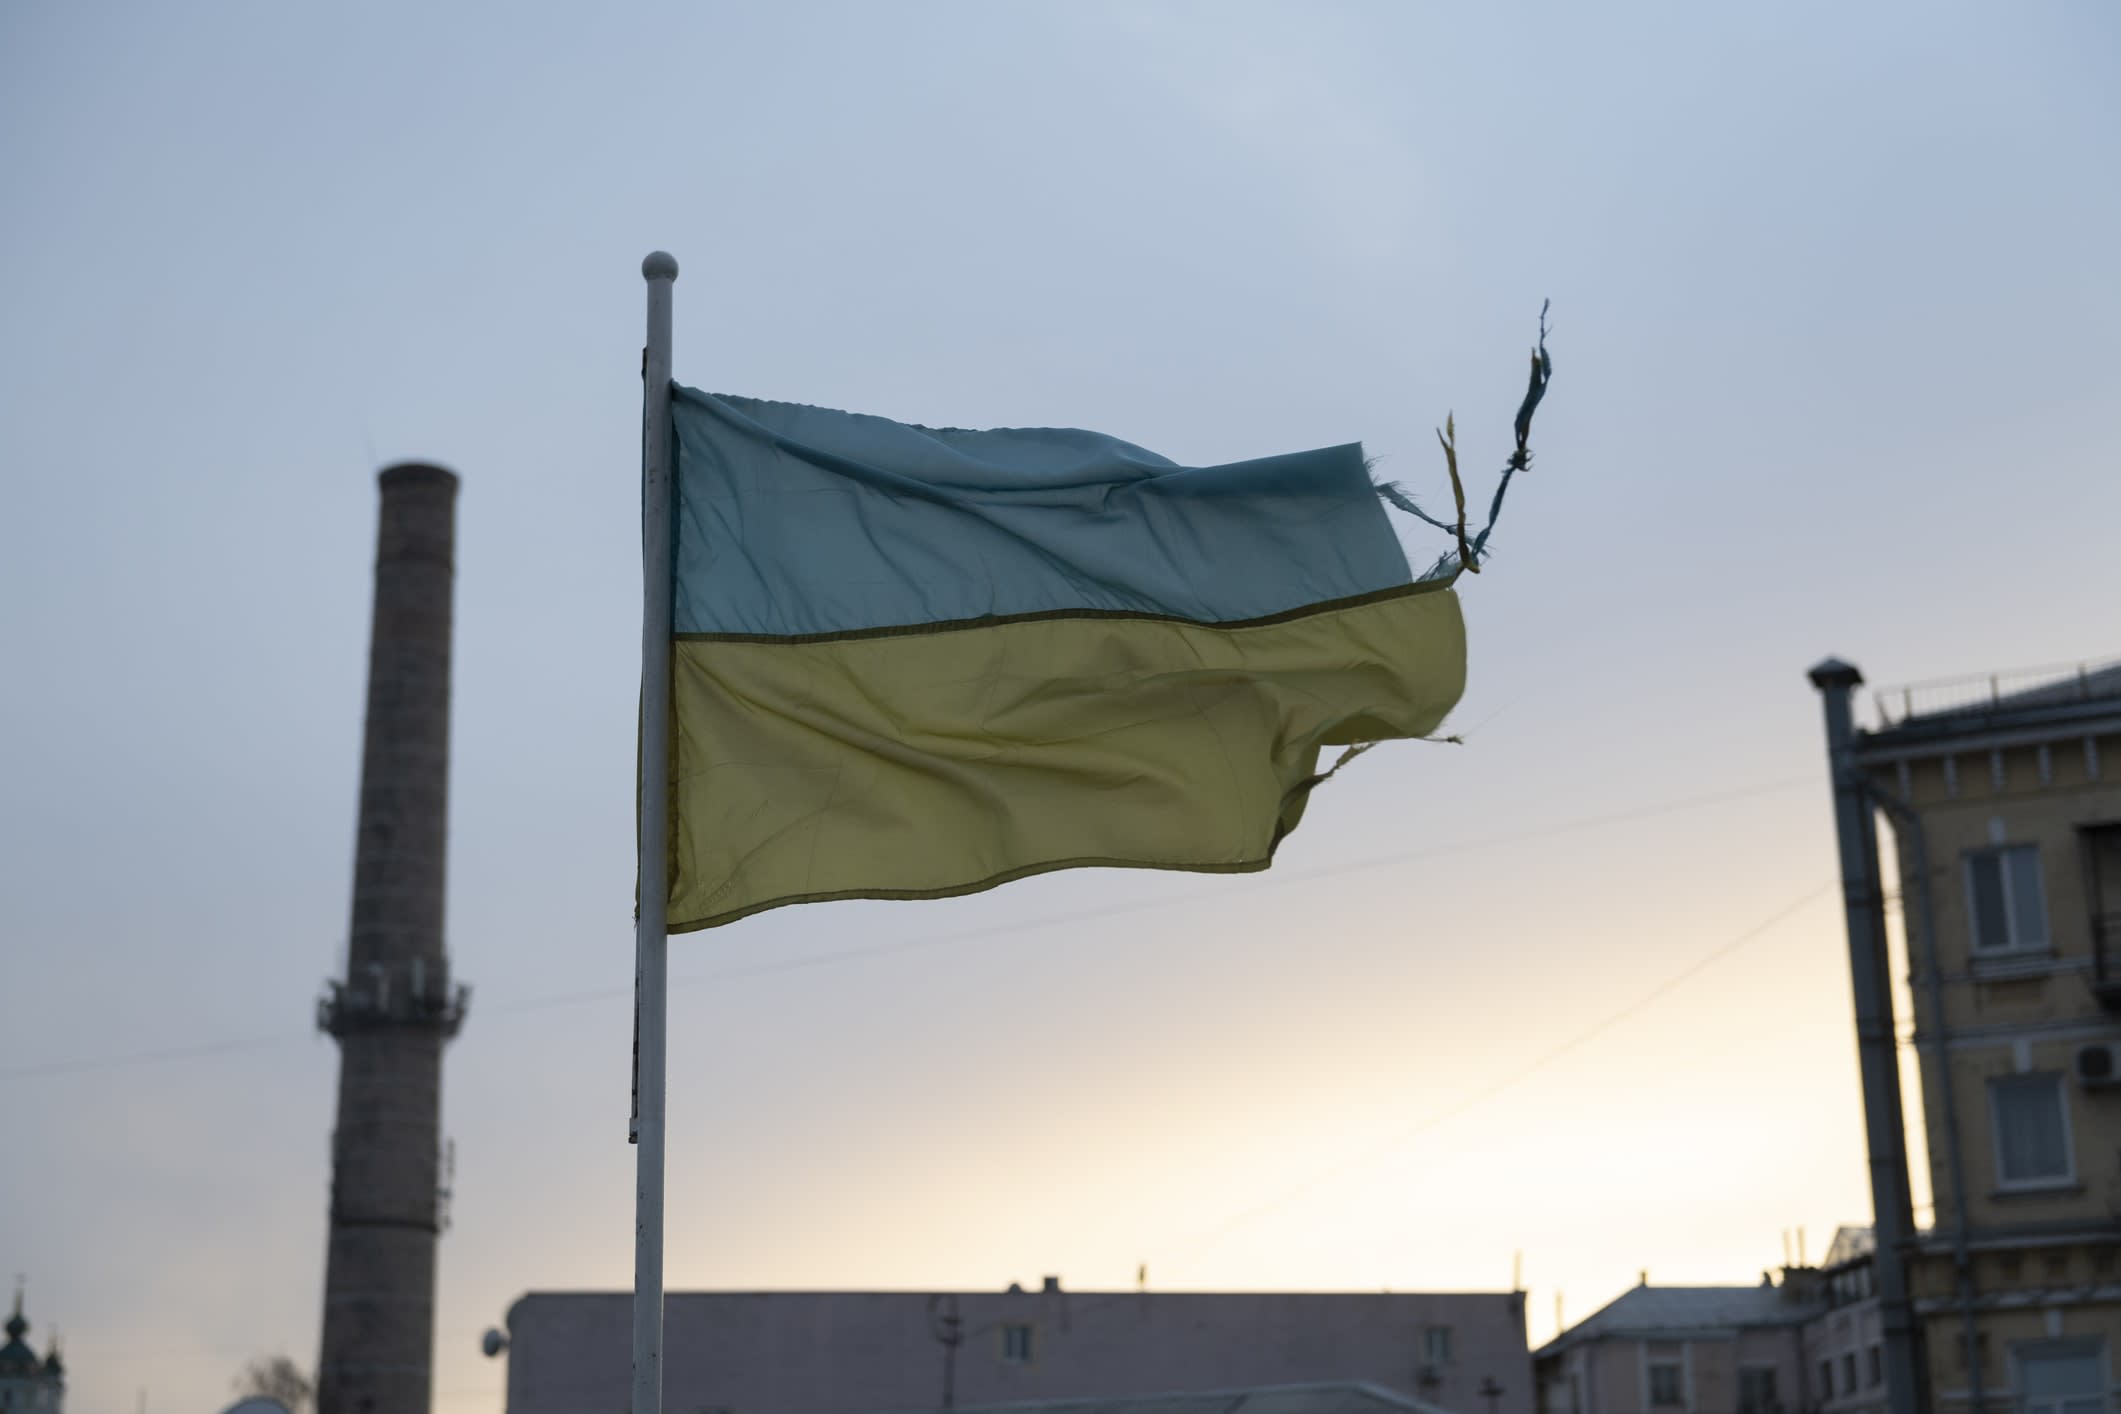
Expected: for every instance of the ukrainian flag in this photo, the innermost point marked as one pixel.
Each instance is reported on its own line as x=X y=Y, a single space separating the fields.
x=915 y=662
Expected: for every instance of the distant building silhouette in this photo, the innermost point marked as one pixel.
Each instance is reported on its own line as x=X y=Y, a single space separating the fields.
x=1259 y=1399
x=859 y=1352
x=29 y=1383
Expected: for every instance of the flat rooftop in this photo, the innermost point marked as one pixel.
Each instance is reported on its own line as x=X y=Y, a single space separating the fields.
x=1279 y=1399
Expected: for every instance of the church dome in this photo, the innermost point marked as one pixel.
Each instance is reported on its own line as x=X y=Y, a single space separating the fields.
x=16 y=1358
x=27 y=1382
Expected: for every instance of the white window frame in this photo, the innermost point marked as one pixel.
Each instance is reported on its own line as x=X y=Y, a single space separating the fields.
x=1433 y=1336
x=2068 y=1178
x=2081 y=1346
x=1030 y=1334
x=1649 y=1389
x=2015 y=946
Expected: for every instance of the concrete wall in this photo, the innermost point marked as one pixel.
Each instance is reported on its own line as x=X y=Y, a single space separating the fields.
x=1610 y=1375
x=2005 y=1335
x=32 y=1394
x=859 y=1352
x=1845 y=1338
x=21 y=1395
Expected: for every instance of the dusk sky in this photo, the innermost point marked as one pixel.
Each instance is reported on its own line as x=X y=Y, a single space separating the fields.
x=1834 y=296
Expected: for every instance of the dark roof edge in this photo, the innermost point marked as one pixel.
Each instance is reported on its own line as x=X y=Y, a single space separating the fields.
x=2062 y=719
x=924 y=1291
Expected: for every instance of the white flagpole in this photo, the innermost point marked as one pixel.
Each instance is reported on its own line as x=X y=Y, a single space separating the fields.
x=651 y=940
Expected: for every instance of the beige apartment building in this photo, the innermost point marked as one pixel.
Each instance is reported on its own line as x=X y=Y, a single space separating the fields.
x=2002 y=798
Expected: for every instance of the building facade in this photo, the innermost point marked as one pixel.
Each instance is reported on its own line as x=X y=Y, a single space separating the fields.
x=1844 y=1344
x=2003 y=803
x=850 y=1352
x=1685 y=1350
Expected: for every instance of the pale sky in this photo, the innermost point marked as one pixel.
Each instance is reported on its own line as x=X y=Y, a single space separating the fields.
x=1834 y=293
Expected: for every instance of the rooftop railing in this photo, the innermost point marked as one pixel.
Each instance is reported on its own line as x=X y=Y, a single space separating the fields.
x=2018 y=687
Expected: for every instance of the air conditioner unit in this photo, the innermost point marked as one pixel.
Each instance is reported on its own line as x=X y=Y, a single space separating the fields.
x=2099 y=1065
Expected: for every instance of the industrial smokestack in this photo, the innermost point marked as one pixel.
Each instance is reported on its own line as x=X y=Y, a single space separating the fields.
x=396 y=1007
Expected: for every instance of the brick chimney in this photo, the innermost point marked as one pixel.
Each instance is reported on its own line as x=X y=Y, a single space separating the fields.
x=396 y=1007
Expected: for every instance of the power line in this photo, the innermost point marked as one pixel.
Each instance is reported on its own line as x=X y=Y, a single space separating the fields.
x=1206 y=1239
x=1396 y=1141
x=1093 y=915
x=590 y=996
x=1587 y=822
x=170 y=1053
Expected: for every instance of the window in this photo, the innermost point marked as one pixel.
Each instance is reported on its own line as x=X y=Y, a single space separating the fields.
x=1016 y=1345
x=1848 y=1373
x=1826 y=1379
x=1664 y=1386
x=1436 y=1345
x=2058 y=1377
x=1877 y=1367
x=2009 y=909
x=2032 y=1130
x=1756 y=1390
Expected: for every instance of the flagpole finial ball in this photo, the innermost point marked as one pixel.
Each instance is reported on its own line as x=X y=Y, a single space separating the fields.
x=660 y=265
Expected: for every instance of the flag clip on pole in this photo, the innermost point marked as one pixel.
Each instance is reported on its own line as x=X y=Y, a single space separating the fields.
x=652 y=941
